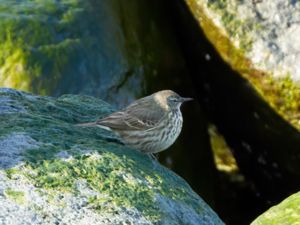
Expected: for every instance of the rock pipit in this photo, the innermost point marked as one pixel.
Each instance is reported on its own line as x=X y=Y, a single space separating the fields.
x=150 y=124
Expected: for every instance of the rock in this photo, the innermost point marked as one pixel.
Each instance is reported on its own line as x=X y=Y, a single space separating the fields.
x=264 y=143
x=101 y=48
x=286 y=212
x=257 y=39
x=52 y=172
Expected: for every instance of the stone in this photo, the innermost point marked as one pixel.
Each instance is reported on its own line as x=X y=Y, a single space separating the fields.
x=286 y=212
x=101 y=48
x=52 y=171
x=263 y=139
x=258 y=39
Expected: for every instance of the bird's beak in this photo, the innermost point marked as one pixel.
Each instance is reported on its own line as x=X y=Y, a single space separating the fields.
x=186 y=99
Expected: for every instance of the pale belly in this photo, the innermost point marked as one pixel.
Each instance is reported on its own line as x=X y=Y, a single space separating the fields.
x=168 y=138
x=155 y=140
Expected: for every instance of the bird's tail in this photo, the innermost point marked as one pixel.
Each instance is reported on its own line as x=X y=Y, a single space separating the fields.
x=92 y=124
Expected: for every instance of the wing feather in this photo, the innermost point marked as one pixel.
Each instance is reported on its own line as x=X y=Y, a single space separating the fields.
x=142 y=114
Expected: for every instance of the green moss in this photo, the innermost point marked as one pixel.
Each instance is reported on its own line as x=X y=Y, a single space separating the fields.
x=11 y=172
x=285 y=213
x=119 y=179
x=59 y=52
x=233 y=26
x=17 y=196
x=284 y=95
x=34 y=44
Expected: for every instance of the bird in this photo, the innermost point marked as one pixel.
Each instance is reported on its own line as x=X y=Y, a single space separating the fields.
x=150 y=124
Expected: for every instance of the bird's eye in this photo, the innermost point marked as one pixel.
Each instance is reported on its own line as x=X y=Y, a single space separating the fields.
x=173 y=99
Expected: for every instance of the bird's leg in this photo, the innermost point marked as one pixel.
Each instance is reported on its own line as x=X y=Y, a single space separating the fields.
x=154 y=160
x=152 y=156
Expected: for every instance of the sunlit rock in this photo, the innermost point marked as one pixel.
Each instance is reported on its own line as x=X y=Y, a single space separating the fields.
x=53 y=172
x=259 y=39
x=286 y=212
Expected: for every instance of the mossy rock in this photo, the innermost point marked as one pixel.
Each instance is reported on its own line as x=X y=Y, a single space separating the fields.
x=52 y=171
x=260 y=50
x=285 y=213
x=101 y=48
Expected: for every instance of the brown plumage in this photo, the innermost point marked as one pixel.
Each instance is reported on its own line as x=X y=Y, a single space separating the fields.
x=150 y=124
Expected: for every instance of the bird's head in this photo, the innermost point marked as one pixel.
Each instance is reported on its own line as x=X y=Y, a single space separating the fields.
x=169 y=99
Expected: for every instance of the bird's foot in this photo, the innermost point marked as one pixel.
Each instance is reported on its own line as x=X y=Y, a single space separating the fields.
x=152 y=156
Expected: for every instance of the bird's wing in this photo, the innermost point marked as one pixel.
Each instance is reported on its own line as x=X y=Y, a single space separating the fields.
x=140 y=115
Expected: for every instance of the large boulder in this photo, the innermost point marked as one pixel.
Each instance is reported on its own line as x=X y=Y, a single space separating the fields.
x=54 y=172
x=101 y=48
x=259 y=40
